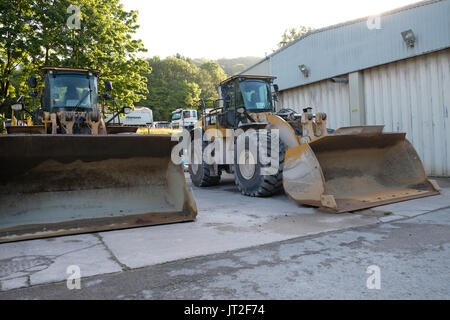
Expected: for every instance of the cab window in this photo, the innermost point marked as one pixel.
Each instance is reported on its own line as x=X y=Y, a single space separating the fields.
x=176 y=116
x=256 y=95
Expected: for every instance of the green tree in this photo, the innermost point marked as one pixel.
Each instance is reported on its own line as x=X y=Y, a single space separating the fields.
x=103 y=42
x=291 y=34
x=209 y=76
x=177 y=82
x=37 y=34
x=171 y=85
x=18 y=45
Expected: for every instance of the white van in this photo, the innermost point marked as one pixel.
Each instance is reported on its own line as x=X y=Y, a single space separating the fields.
x=141 y=116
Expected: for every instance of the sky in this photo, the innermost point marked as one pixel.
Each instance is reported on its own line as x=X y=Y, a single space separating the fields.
x=216 y=29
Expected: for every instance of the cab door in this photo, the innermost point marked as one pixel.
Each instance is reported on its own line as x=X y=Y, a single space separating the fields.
x=228 y=117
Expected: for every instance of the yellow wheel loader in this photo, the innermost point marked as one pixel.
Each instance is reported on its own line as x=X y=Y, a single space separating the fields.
x=69 y=172
x=343 y=170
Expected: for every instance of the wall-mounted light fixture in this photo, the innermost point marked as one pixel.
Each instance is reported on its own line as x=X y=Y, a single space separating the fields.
x=304 y=70
x=409 y=38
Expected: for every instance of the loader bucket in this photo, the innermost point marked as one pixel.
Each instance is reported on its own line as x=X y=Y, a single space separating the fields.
x=52 y=185
x=355 y=168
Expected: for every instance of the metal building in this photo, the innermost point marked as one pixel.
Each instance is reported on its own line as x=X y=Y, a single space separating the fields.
x=393 y=69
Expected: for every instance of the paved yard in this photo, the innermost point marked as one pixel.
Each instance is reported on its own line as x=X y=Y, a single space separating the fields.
x=244 y=247
x=412 y=255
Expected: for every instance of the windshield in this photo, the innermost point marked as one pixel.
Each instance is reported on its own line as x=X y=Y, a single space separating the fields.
x=176 y=116
x=70 y=90
x=186 y=114
x=256 y=94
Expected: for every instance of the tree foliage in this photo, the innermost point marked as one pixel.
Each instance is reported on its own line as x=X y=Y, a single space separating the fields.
x=210 y=74
x=17 y=44
x=36 y=33
x=176 y=82
x=291 y=34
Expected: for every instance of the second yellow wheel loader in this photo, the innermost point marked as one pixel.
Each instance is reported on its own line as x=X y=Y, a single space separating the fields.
x=344 y=170
x=68 y=173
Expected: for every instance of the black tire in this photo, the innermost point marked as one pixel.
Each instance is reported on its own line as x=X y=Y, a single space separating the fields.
x=200 y=174
x=259 y=185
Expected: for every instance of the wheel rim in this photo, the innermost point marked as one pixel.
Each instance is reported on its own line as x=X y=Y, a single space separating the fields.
x=247 y=166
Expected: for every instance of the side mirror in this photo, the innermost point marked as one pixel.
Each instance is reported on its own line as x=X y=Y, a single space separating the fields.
x=17 y=107
x=32 y=82
x=108 y=86
x=127 y=110
x=276 y=88
x=227 y=99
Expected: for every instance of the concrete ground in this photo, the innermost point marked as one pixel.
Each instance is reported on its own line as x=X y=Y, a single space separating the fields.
x=246 y=248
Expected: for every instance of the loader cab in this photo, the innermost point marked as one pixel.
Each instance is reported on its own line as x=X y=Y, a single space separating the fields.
x=70 y=90
x=251 y=92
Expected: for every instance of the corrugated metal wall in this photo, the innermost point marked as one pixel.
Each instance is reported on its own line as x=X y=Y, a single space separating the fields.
x=352 y=46
x=413 y=96
x=324 y=96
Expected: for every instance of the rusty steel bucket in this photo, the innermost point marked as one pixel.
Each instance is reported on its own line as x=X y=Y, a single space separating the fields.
x=52 y=185
x=356 y=168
